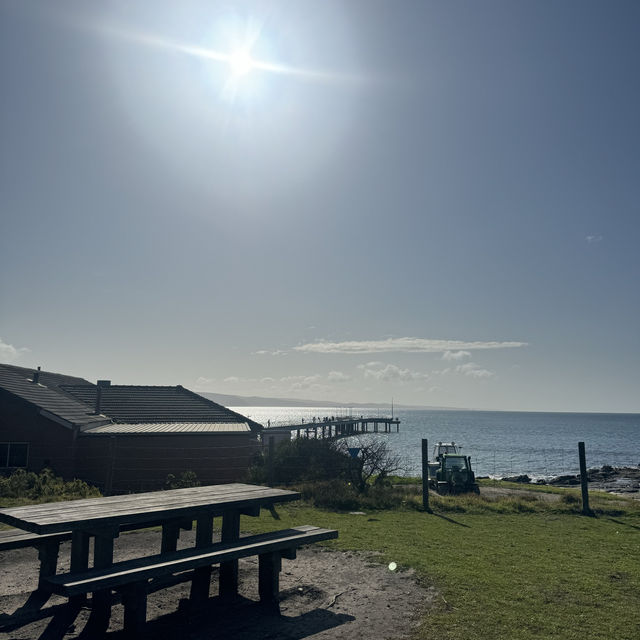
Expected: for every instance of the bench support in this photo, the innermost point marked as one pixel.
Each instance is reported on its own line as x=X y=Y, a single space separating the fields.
x=101 y=600
x=269 y=568
x=229 y=570
x=48 y=557
x=134 y=578
x=61 y=621
x=134 y=599
x=202 y=576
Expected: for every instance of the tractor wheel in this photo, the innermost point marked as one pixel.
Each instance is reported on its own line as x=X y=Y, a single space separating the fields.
x=444 y=489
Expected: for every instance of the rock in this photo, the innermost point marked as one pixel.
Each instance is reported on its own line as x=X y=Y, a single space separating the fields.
x=523 y=479
x=565 y=480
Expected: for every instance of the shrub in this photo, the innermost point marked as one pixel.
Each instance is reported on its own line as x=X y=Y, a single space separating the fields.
x=374 y=463
x=43 y=487
x=300 y=460
x=184 y=480
x=340 y=495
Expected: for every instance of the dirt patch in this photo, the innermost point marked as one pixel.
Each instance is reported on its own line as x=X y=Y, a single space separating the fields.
x=324 y=595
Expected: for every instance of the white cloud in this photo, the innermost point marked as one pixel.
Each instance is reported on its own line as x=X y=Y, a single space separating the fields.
x=593 y=239
x=390 y=373
x=9 y=353
x=337 y=376
x=304 y=383
x=474 y=370
x=301 y=382
x=232 y=379
x=455 y=355
x=204 y=384
x=408 y=345
x=266 y=352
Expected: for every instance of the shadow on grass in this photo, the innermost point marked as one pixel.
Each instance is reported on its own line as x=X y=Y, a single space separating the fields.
x=624 y=524
x=460 y=524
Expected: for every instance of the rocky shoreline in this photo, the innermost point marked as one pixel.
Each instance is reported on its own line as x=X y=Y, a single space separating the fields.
x=606 y=478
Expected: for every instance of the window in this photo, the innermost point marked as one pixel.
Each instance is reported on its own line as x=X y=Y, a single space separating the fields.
x=13 y=454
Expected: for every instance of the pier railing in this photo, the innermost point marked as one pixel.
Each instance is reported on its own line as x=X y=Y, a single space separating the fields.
x=333 y=427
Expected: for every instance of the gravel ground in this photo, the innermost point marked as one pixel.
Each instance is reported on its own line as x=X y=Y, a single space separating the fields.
x=324 y=595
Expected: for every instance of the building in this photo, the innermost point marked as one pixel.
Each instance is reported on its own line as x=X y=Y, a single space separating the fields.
x=118 y=437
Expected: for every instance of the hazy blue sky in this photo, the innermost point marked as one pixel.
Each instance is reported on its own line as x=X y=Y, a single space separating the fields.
x=437 y=202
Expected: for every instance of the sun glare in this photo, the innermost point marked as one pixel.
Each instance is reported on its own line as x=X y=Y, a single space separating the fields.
x=240 y=62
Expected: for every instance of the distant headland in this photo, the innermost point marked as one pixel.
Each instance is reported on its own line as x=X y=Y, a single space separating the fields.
x=259 y=401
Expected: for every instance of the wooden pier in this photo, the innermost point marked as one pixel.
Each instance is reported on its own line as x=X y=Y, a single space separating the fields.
x=341 y=427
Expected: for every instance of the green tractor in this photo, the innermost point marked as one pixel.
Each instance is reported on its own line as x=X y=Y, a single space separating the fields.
x=454 y=475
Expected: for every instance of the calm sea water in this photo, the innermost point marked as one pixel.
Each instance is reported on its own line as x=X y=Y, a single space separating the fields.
x=500 y=443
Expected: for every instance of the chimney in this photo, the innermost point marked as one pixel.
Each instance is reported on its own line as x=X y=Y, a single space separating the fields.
x=100 y=385
x=36 y=376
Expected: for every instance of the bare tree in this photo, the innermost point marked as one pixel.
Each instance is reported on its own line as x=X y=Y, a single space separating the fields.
x=374 y=460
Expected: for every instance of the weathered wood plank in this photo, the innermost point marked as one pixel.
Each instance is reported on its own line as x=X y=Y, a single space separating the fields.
x=141 y=508
x=16 y=539
x=123 y=573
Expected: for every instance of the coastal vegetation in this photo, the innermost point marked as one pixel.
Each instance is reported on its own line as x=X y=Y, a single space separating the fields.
x=514 y=563
x=27 y=487
x=511 y=567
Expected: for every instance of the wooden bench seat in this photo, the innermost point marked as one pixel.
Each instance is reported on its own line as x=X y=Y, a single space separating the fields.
x=132 y=577
x=17 y=539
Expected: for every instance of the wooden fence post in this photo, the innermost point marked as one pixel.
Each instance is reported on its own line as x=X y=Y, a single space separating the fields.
x=583 y=480
x=270 y=459
x=425 y=475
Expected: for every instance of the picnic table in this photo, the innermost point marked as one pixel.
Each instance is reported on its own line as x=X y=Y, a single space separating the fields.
x=104 y=518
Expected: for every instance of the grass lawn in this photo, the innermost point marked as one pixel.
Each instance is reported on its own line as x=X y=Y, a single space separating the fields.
x=512 y=569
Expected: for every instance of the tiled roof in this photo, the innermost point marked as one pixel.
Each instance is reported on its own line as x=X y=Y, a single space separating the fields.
x=149 y=405
x=46 y=395
x=71 y=402
x=169 y=427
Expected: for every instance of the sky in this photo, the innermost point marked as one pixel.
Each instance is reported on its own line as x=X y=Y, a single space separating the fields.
x=435 y=202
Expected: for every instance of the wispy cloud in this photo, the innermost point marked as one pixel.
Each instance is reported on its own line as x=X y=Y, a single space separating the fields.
x=474 y=370
x=338 y=376
x=9 y=353
x=304 y=383
x=456 y=355
x=390 y=373
x=204 y=384
x=408 y=345
x=267 y=352
x=594 y=239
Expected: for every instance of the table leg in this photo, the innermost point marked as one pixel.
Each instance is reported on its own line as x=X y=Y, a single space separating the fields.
x=202 y=576
x=61 y=621
x=229 y=570
x=269 y=568
x=79 y=560
x=170 y=535
x=101 y=600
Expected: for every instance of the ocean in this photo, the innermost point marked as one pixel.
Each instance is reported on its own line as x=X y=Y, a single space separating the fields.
x=500 y=443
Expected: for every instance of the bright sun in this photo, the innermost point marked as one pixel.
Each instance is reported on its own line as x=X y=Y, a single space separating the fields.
x=240 y=62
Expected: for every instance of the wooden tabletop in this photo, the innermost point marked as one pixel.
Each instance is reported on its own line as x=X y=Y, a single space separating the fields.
x=93 y=513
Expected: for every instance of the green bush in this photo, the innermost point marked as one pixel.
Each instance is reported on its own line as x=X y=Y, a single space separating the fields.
x=300 y=460
x=43 y=487
x=340 y=495
x=184 y=480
